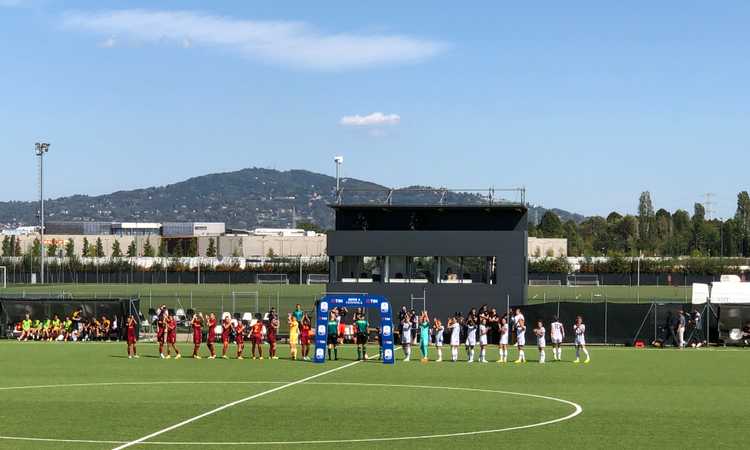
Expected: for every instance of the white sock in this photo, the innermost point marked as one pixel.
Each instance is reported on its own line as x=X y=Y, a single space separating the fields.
x=482 y=354
x=522 y=355
x=454 y=353
x=471 y=354
x=541 y=356
x=505 y=354
x=440 y=353
x=586 y=352
x=578 y=353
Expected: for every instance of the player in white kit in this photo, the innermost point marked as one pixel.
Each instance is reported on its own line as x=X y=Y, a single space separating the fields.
x=579 y=329
x=483 y=330
x=438 y=329
x=557 y=333
x=471 y=338
x=521 y=339
x=541 y=341
x=455 y=329
x=406 y=336
x=504 y=332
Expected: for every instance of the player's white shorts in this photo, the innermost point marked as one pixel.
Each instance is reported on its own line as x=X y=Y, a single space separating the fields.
x=471 y=340
x=455 y=339
x=556 y=340
x=580 y=340
x=483 y=340
x=439 y=339
x=521 y=340
x=504 y=339
x=541 y=342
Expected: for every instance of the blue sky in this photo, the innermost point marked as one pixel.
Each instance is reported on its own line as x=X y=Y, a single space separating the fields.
x=584 y=103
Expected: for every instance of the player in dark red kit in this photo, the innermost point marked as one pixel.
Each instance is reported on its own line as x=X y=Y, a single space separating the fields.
x=172 y=337
x=257 y=338
x=239 y=338
x=131 y=325
x=305 y=337
x=197 y=324
x=226 y=327
x=273 y=327
x=161 y=329
x=211 y=335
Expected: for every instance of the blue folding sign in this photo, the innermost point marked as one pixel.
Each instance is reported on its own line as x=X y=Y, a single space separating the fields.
x=330 y=301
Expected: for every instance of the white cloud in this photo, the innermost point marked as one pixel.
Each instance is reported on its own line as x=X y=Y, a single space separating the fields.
x=374 y=119
x=294 y=44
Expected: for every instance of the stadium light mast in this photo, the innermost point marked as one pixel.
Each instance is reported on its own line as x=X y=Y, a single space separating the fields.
x=41 y=148
x=339 y=160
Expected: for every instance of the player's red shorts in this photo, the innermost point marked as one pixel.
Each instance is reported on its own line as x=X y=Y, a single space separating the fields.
x=239 y=339
x=271 y=338
x=305 y=339
x=342 y=329
x=197 y=337
x=131 y=337
x=211 y=338
x=225 y=338
x=160 y=335
x=171 y=338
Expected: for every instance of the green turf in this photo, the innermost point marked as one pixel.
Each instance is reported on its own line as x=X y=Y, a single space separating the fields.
x=219 y=296
x=630 y=399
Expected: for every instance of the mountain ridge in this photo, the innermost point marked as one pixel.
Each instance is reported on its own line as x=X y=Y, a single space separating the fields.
x=246 y=198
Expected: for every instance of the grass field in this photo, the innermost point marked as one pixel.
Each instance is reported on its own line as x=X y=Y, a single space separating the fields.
x=628 y=398
x=215 y=297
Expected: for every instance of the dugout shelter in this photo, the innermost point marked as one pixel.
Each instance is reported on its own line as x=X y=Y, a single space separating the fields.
x=14 y=310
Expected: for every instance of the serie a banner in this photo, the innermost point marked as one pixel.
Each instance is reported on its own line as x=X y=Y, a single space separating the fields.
x=330 y=301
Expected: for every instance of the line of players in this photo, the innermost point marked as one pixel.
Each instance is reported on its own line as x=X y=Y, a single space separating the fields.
x=474 y=331
x=300 y=330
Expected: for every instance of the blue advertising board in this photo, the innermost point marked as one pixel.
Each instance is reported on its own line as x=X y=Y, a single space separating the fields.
x=330 y=301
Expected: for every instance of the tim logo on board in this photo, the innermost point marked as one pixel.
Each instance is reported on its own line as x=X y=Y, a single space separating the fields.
x=388 y=355
x=386 y=330
x=321 y=330
x=324 y=307
x=319 y=354
x=384 y=307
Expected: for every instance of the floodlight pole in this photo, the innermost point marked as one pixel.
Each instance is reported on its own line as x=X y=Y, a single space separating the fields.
x=339 y=160
x=41 y=148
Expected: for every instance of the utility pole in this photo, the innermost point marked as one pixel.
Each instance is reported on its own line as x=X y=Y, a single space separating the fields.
x=41 y=148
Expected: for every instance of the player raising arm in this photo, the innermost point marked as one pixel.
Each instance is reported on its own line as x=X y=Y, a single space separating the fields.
x=131 y=324
x=239 y=338
x=438 y=329
x=579 y=329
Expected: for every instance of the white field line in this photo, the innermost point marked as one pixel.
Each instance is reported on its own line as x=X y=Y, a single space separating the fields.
x=229 y=405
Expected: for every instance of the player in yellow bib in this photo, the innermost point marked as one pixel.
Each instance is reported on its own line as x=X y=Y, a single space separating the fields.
x=293 y=336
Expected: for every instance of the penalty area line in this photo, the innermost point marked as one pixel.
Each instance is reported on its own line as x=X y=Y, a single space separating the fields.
x=229 y=405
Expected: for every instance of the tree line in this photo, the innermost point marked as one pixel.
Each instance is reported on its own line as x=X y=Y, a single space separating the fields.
x=177 y=248
x=653 y=233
